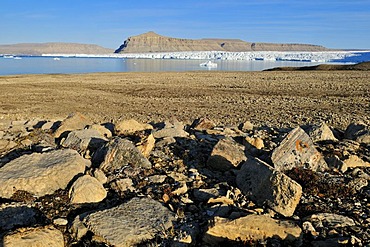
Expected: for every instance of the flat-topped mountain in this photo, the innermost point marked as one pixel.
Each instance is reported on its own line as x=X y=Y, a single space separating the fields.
x=152 y=42
x=55 y=48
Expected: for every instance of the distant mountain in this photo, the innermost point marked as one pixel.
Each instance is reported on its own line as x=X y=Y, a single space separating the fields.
x=152 y=42
x=54 y=48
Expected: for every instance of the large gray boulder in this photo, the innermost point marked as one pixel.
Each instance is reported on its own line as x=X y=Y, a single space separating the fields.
x=41 y=173
x=81 y=140
x=297 y=150
x=131 y=223
x=265 y=185
x=119 y=153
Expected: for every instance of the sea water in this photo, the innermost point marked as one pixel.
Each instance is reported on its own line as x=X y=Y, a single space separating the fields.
x=75 y=65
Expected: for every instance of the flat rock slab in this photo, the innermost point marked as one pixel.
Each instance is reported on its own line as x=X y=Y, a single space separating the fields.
x=41 y=173
x=264 y=185
x=81 y=140
x=251 y=227
x=297 y=150
x=35 y=237
x=131 y=223
x=329 y=220
x=119 y=153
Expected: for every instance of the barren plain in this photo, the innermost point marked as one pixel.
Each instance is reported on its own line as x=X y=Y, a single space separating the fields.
x=282 y=98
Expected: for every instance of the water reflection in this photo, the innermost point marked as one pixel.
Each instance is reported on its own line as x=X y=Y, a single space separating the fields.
x=47 y=65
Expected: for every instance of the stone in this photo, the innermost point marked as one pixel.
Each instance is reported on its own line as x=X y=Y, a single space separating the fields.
x=204 y=195
x=17 y=215
x=81 y=140
x=175 y=129
x=358 y=132
x=41 y=173
x=203 y=124
x=321 y=132
x=87 y=189
x=354 y=161
x=130 y=223
x=256 y=142
x=267 y=186
x=6 y=145
x=146 y=145
x=44 y=236
x=226 y=154
x=251 y=227
x=60 y=221
x=75 y=121
x=119 y=153
x=329 y=220
x=246 y=126
x=100 y=176
x=335 y=162
x=123 y=185
x=297 y=150
x=129 y=127
x=102 y=130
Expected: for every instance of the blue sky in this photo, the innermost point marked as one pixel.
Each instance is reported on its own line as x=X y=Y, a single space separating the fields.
x=331 y=23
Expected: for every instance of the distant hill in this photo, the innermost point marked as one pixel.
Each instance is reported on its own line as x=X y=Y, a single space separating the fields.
x=326 y=67
x=152 y=42
x=55 y=48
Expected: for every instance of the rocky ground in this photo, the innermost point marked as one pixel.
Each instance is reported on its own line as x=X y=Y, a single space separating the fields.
x=79 y=183
x=123 y=174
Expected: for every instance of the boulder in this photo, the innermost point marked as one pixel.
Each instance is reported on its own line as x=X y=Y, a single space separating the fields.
x=146 y=145
x=251 y=227
x=44 y=236
x=358 y=132
x=256 y=142
x=329 y=220
x=75 y=121
x=81 y=140
x=119 y=153
x=175 y=129
x=226 y=154
x=203 y=124
x=129 y=127
x=321 y=132
x=246 y=126
x=297 y=150
x=41 y=173
x=87 y=189
x=131 y=223
x=267 y=186
x=102 y=130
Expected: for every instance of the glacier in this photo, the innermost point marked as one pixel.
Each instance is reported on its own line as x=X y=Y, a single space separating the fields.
x=322 y=56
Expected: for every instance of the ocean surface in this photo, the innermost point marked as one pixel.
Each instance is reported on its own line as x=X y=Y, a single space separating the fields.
x=74 y=65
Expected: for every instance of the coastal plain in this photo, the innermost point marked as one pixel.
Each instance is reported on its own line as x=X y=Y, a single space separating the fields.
x=273 y=98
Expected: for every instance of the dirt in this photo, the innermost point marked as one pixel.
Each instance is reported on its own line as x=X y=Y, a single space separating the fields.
x=283 y=98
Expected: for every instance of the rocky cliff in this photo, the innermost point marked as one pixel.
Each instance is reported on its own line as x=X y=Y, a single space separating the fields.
x=152 y=42
x=55 y=48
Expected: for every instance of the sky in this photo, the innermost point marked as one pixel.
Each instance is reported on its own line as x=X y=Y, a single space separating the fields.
x=343 y=24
